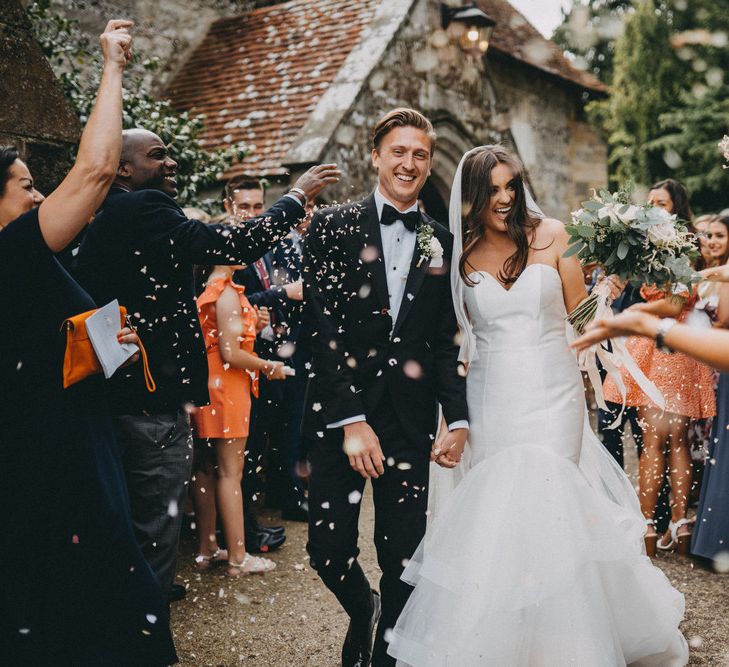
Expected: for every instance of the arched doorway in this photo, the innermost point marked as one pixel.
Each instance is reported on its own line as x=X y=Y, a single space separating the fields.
x=432 y=202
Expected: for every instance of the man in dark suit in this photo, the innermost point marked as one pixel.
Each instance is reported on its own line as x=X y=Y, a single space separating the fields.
x=266 y=288
x=377 y=289
x=287 y=261
x=140 y=249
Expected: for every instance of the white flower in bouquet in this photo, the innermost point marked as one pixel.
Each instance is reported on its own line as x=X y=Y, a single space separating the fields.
x=662 y=234
x=628 y=214
x=607 y=211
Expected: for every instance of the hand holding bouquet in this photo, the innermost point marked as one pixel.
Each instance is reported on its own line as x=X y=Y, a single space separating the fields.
x=640 y=244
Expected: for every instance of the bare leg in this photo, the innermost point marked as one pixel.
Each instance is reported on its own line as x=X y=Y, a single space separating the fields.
x=652 y=460
x=203 y=495
x=679 y=467
x=228 y=491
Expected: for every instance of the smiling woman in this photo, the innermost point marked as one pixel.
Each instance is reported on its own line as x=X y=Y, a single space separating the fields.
x=494 y=198
x=83 y=594
x=17 y=190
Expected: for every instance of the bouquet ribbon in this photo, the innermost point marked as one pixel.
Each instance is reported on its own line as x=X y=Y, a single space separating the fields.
x=612 y=363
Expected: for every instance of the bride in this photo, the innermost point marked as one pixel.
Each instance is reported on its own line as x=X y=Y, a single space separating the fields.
x=536 y=559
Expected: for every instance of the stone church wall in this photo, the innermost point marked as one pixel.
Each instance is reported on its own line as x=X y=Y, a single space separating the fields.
x=34 y=114
x=504 y=101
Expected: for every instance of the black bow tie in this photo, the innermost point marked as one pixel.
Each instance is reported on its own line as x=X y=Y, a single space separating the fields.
x=390 y=215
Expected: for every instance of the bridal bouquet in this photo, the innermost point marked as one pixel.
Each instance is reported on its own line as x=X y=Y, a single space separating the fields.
x=641 y=244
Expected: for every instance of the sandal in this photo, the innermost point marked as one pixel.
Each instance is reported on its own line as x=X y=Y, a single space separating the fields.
x=206 y=562
x=250 y=565
x=650 y=539
x=682 y=543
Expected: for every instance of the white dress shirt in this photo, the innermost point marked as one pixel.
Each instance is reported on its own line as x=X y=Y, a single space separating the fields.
x=398 y=246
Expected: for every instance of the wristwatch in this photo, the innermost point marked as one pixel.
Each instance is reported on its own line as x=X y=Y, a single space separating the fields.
x=300 y=195
x=664 y=326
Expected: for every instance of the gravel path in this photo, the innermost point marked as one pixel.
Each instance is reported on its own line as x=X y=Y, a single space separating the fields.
x=287 y=617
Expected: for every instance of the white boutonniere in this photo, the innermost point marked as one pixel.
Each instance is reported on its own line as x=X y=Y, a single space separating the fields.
x=429 y=246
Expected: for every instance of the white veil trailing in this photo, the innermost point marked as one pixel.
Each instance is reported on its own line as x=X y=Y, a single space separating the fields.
x=468 y=346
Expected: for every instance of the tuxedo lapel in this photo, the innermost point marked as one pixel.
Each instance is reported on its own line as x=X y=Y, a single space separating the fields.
x=416 y=276
x=369 y=225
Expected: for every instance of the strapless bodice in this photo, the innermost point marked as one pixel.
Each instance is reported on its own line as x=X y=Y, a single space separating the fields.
x=523 y=384
x=530 y=314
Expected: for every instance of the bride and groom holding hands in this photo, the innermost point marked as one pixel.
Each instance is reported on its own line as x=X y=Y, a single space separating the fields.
x=536 y=557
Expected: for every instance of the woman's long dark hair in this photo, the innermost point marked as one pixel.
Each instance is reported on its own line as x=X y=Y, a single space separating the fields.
x=475 y=197
x=8 y=155
x=679 y=197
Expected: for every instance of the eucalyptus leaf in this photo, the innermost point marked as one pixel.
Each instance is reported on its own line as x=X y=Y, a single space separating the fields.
x=574 y=249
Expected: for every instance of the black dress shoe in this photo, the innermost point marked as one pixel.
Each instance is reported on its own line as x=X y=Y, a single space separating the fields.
x=296 y=513
x=357 y=648
x=262 y=542
x=177 y=592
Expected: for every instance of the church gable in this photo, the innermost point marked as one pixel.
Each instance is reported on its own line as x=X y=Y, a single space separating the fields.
x=257 y=77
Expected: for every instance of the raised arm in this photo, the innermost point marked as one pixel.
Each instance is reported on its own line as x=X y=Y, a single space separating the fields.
x=160 y=220
x=73 y=203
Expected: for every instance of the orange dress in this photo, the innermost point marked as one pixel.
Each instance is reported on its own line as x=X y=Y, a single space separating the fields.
x=687 y=385
x=228 y=414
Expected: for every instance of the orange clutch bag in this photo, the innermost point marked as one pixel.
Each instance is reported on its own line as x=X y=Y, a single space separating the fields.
x=80 y=360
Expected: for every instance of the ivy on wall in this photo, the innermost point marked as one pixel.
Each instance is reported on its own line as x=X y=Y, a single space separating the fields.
x=70 y=53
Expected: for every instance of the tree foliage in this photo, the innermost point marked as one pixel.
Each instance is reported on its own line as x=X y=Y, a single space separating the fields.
x=691 y=128
x=69 y=52
x=646 y=83
x=589 y=31
x=666 y=68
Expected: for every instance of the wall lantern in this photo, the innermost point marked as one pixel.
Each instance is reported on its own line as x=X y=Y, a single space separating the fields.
x=468 y=25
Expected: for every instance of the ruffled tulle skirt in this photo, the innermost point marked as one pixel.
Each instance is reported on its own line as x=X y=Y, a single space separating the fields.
x=529 y=564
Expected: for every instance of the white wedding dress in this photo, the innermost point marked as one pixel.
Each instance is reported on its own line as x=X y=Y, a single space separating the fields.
x=536 y=558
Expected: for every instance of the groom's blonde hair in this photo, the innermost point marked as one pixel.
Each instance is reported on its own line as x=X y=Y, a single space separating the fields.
x=402 y=117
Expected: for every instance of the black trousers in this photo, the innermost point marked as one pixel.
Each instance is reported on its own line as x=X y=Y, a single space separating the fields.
x=400 y=498
x=613 y=441
x=156 y=453
x=269 y=444
x=613 y=438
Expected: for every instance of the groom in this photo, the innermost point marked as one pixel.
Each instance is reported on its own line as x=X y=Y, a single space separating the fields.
x=377 y=292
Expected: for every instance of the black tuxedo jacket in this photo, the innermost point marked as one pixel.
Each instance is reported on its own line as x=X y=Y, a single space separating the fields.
x=141 y=249
x=287 y=267
x=359 y=358
x=274 y=298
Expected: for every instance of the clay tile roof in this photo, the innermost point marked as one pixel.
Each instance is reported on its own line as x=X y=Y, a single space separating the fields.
x=258 y=76
x=516 y=38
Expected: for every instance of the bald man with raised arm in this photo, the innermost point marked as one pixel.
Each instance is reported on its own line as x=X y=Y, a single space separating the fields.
x=141 y=249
